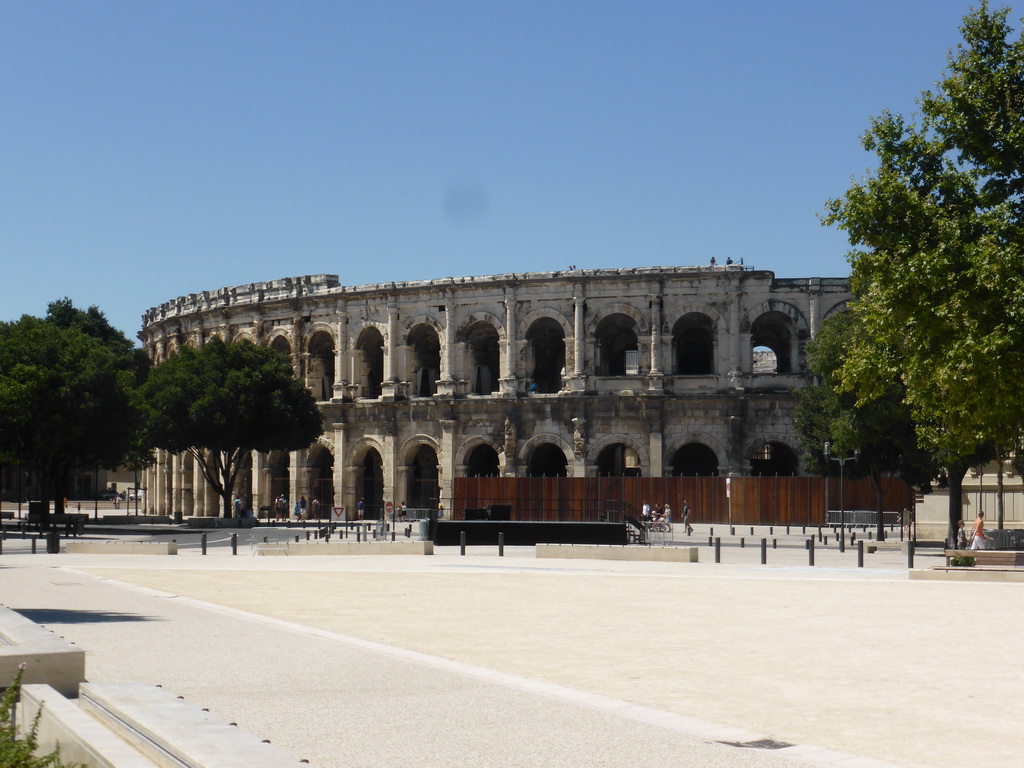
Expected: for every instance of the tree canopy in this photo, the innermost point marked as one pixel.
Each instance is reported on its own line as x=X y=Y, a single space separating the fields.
x=223 y=400
x=938 y=265
x=66 y=396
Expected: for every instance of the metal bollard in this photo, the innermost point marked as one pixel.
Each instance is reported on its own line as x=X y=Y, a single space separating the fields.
x=234 y=543
x=718 y=550
x=501 y=545
x=810 y=551
x=842 y=540
x=732 y=530
x=764 y=551
x=202 y=542
x=296 y=538
x=307 y=535
x=860 y=553
x=712 y=531
x=751 y=530
x=742 y=543
x=775 y=543
x=910 y=555
x=34 y=546
x=711 y=541
x=462 y=542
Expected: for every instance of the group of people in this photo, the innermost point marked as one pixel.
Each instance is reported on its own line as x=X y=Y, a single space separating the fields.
x=660 y=518
x=301 y=511
x=977 y=538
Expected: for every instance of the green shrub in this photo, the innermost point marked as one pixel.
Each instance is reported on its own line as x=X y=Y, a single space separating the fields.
x=19 y=753
x=962 y=562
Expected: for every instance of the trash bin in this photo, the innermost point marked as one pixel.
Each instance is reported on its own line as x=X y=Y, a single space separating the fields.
x=424 y=529
x=53 y=543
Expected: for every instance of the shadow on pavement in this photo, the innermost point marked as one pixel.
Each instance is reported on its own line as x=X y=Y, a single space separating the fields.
x=61 y=616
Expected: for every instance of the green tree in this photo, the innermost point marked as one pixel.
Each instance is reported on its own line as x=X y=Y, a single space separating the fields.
x=66 y=398
x=881 y=429
x=938 y=265
x=223 y=400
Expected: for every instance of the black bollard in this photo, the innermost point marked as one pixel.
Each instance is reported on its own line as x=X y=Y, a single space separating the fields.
x=234 y=543
x=202 y=542
x=296 y=538
x=501 y=545
x=842 y=540
x=810 y=551
x=775 y=543
x=33 y=546
x=307 y=535
x=860 y=553
x=742 y=544
x=751 y=530
x=711 y=541
x=764 y=551
x=732 y=530
x=711 y=532
x=910 y=555
x=718 y=550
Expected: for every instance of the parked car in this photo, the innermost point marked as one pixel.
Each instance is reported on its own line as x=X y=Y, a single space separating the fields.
x=108 y=495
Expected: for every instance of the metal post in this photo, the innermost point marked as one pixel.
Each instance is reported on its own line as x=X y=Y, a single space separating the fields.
x=764 y=551
x=234 y=543
x=501 y=545
x=202 y=542
x=860 y=553
x=718 y=550
x=462 y=542
x=810 y=551
x=910 y=555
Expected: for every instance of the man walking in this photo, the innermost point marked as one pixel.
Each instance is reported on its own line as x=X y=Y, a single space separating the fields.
x=686 y=517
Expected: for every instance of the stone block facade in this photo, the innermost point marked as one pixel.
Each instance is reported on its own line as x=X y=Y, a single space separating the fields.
x=639 y=372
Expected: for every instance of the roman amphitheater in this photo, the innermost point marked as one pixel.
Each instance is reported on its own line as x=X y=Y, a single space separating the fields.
x=647 y=372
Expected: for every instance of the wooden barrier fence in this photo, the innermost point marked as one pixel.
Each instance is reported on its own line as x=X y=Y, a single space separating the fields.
x=736 y=500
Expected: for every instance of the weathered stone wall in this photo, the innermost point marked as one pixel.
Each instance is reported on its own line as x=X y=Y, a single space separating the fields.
x=653 y=371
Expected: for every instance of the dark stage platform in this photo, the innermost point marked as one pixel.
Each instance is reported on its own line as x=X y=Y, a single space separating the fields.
x=521 y=533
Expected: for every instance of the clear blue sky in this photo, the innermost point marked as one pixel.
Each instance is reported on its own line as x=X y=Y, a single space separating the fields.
x=156 y=149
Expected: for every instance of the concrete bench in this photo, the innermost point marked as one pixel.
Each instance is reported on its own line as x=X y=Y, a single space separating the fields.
x=82 y=738
x=398 y=547
x=171 y=732
x=608 y=552
x=48 y=658
x=989 y=557
x=122 y=547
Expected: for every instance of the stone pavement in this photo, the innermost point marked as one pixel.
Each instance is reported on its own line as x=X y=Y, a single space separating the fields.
x=481 y=660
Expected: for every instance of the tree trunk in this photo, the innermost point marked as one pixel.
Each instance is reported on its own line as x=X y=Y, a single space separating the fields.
x=956 y=473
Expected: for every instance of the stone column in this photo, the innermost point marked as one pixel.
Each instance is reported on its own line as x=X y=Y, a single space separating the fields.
x=389 y=387
x=735 y=366
x=340 y=461
x=655 y=381
x=509 y=365
x=188 y=483
x=177 y=473
x=657 y=448
x=341 y=361
x=446 y=384
x=446 y=465
x=296 y=480
x=578 y=380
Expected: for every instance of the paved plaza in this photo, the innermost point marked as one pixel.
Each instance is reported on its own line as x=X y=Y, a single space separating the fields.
x=451 y=660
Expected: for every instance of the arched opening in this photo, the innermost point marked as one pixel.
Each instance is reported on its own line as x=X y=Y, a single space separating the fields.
x=485 y=357
x=370 y=485
x=693 y=341
x=547 y=460
x=243 y=484
x=772 y=333
x=279 y=474
x=774 y=459
x=425 y=360
x=546 y=355
x=695 y=459
x=370 y=362
x=320 y=366
x=482 y=462
x=618 y=460
x=618 y=351
x=281 y=346
x=321 y=481
x=422 y=487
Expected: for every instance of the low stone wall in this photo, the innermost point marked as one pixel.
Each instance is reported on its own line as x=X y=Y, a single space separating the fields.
x=404 y=547
x=122 y=548
x=47 y=658
x=599 y=552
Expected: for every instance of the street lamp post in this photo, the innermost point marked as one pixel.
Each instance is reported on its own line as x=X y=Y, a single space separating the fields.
x=842 y=494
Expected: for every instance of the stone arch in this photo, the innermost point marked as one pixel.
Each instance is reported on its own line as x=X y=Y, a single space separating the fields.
x=782 y=307
x=423 y=358
x=777 y=330
x=643 y=326
x=472 y=443
x=483 y=356
x=545 y=352
x=597 y=446
x=773 y=455
x=368 y=363
x=319 y=461
x=537 y=464
x=698 y=455
x=281 y=342
x=480 y=316
x=694 y=341
x=320 y=354
x=484 y=460
x=617 y=345
x=244 y=334
x=422 y=474
x=410 y=446
x=368 y=480
x=538 y=314
x=836 y=309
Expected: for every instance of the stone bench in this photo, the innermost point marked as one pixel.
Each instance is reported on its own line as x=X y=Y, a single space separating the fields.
x=134 y=725
x=398 y=547
x=47 y=658
x=122 y=548
x=989 y=557
x=611 y=552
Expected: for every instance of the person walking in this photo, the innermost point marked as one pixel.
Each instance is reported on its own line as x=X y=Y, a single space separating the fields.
x=686 y=517
x=980 y=537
